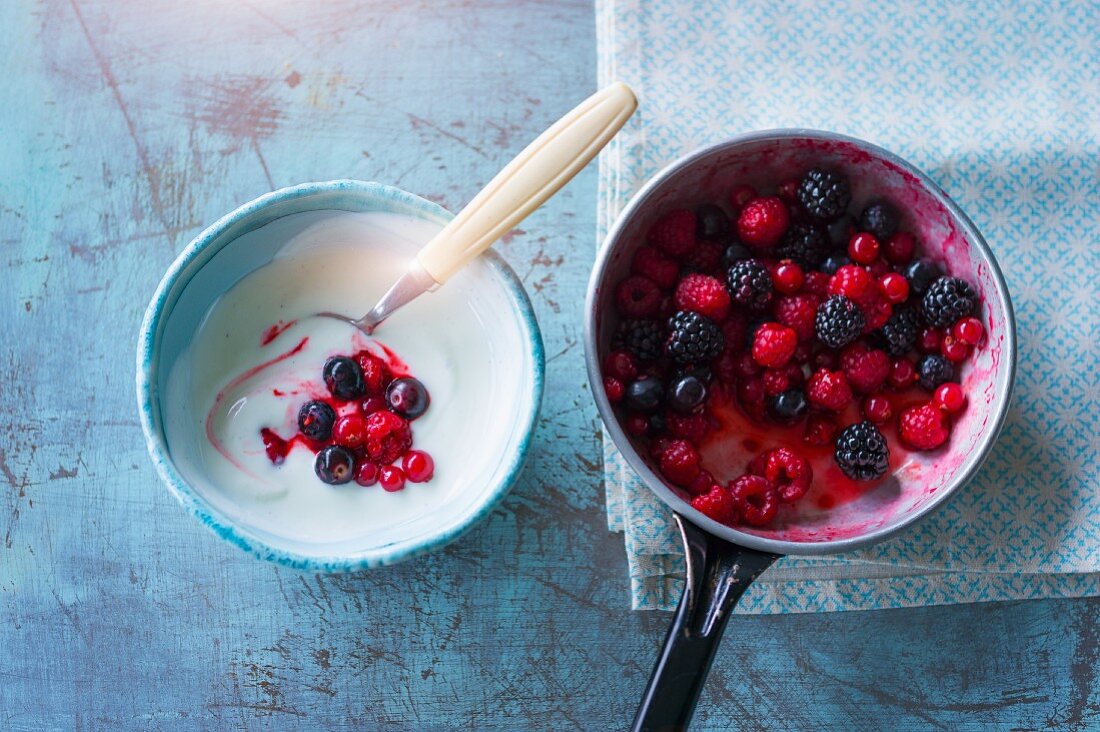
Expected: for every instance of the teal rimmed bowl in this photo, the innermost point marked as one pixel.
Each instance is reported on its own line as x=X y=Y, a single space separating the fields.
x=216 y=260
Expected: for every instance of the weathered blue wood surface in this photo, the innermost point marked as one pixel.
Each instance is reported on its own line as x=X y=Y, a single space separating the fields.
x=124 y=128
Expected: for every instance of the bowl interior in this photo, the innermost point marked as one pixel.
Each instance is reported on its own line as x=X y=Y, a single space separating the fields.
x=368 y=527
x=945 y=234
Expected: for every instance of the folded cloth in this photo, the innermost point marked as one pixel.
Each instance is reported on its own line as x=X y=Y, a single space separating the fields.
x=1001 y=106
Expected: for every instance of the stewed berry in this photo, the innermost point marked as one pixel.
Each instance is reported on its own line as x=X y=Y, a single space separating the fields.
x=334 y=465
x=344 y=378
x=645 y=394
x=407 y=397
x=687 y=393
x=316 y=420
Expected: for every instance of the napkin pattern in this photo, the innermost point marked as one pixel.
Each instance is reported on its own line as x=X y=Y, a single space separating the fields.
x=1000 y=103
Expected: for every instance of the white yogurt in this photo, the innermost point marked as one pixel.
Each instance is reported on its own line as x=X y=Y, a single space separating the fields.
x=454 y=340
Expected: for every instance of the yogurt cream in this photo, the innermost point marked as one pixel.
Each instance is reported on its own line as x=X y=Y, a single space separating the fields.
x=257 y=357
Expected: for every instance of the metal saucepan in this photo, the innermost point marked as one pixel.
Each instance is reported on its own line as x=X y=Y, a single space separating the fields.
x=721 y=560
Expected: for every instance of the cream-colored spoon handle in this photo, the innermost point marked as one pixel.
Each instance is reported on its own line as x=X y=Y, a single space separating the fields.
x=534 y=175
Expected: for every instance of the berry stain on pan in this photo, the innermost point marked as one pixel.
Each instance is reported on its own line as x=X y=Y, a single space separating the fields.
x=805 y=341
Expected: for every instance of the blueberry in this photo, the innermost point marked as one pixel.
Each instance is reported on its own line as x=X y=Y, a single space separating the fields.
x=344 y=378
x=657 y=425
x=644 y=395
x=834 y=262
x=735 y=253
x=334 y=465
x=788 y=407
x=687 y=394
x=711 y=222
x=407 y=397
x=921 y=274
x=315 y=420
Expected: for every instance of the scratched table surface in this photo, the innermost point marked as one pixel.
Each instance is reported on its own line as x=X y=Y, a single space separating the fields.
x=125 y=128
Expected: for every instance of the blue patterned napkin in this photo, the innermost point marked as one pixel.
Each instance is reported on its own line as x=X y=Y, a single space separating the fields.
x=1000 y=104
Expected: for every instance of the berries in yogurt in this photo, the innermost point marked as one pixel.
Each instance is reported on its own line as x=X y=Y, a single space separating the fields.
x=811 y=352
x=361 y=428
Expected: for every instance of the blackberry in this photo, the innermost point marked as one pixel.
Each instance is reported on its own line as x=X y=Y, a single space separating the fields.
x=788 y=407
x=900 y=332
x=934 y=370
x=921 y=273
x=881 y=219
x=834 y=262
x=693 y=339
x=711 y=222
x=734 y=253
x=750 y=284
x=644 y=338
x=947 y=300
x=645 y=394
x=806 y=244
x=838 y=322
x=824 y=194
x=862 y=452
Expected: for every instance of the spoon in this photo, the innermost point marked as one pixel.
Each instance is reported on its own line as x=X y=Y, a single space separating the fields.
x=523 y=185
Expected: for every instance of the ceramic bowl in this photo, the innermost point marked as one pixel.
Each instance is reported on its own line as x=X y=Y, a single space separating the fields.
x=945 y=233
x=217 y=259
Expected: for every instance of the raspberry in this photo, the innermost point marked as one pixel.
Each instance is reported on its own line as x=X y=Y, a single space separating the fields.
x=621 y=365
x=644 y=338
x=829 y=390
x=838 y=322
x=694 y=338
x=788 y=472
x=638 y=297
x=924 y=427
x=817 y=283
x=899 y=248
x=863 y=248
x=762 y=222
x=680 y=462
x=773 y=345
x=388 y=437
x=756 y=499
x=750 y=284
x=862 y=452
x=803 y=243
x=934 y=370
x=674 y=233
x=690 y=427
x=649 y=262
x=950 y=396
x=880 y=218
x=718 y=505
x=725 y=366
x=797 y=313
x=866 y=368
x=855 y=283
x=704 y=295
x=948 y=299
x=820 y=430
x=824 y=194
x=637 y=424
x=776 y=381
x=376 y=374
x=899 y=333
x=708 y=259
x=788 y=277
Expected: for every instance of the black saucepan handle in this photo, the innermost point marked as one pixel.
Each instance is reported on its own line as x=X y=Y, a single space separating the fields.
x=718 y=573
